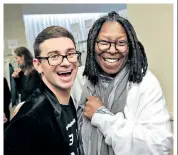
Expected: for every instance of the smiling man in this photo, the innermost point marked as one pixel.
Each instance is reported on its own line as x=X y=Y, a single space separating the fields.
x=46 y=123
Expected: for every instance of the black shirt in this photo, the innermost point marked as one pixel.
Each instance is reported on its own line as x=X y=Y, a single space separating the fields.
x=70 y=124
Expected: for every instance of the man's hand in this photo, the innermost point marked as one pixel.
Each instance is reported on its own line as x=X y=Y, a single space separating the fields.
x=92 y=104
x=16 y=72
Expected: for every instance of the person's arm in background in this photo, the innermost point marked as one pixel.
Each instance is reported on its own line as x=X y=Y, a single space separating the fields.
x=145 y=132
x=7 y=101
x=16 y=76
x=4 y=118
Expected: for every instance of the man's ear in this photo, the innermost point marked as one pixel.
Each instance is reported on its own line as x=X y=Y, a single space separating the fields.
x=37 y=65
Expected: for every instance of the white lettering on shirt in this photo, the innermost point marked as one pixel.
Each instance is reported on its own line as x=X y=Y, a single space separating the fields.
x=71 y=139
x=70 y=124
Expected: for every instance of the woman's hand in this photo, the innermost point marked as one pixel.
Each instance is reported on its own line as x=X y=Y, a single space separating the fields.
x=16 y=72
x=92 y=104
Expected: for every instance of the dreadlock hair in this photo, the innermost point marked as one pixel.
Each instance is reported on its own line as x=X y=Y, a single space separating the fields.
x=137 y=57
x=48 y=33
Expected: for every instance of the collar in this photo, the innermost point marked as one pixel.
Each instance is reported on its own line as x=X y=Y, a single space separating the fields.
x=51 y=97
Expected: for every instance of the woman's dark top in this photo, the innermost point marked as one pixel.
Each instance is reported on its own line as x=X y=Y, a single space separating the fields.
x=27 y=84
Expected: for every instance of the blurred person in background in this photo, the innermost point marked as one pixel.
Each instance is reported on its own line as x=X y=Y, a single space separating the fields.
x=26 y=77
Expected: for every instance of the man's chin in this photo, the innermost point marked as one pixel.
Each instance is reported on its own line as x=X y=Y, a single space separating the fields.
x=66 y=85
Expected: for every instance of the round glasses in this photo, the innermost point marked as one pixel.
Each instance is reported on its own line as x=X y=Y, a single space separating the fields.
x=57 y=59
x=120 y=46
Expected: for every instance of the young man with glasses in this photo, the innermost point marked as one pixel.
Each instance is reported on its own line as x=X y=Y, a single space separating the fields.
x=46 y=123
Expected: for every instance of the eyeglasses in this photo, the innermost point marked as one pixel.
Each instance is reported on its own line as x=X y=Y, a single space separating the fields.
x=120 y=46
x=57 y=59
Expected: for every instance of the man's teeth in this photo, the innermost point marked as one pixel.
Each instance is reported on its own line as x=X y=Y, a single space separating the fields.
x=63 y=73
x=111 y=60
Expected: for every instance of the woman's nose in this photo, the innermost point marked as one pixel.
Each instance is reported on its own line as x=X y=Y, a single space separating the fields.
x=112 y=49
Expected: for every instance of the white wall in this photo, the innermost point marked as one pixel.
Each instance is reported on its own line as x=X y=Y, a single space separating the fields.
x=154 y=26
x=13 y=25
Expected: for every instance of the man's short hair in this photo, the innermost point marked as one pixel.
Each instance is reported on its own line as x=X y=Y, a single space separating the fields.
x=48 y=33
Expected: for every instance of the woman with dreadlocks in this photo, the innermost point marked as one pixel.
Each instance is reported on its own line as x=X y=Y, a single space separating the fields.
x=121 y=107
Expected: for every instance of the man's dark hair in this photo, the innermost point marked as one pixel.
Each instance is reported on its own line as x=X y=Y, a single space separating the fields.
x=48 y=33
x=137 y=57
x=28 y=58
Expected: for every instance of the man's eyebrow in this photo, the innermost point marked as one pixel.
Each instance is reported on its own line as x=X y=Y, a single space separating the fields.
x=57 y=52
x=52 y=52
x=70 y=49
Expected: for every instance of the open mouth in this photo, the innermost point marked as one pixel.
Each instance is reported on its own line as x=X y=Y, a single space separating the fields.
x=64 y=74
x=111 y=60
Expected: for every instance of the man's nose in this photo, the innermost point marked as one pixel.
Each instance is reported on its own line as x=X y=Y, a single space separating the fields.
x=65 y=62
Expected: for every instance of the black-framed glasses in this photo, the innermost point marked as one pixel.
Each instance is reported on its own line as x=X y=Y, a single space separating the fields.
x=120 y=46
x=57 y=59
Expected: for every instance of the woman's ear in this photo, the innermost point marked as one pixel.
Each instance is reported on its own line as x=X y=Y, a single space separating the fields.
x=37 y=65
